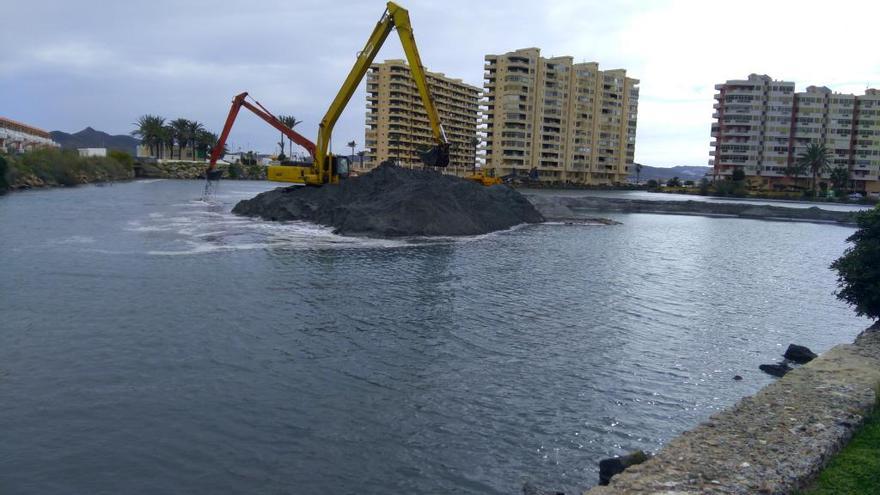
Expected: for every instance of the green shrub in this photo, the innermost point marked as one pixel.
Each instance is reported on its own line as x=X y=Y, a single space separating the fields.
x=123 y=158
x=4 y=170
x=858 y=270
x=65 y=167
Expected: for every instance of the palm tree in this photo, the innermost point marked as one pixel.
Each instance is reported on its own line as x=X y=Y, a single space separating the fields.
x=815 y=158
x=149 y=129
x=194 y=129
x=795 y=170
x=352 y=144
x=291 y=122
x=167 y=140
x=361 y=154
x=638 y=172
x=205 y=142
x=840 y=178
x=180 y=134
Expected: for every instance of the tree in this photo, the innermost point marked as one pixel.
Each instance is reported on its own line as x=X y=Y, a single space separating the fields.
x=352 y=144
x=291 y=122
x=150 y=131
x=638 y=172
x=674 y=182
x=815 y=159
x=205 y=142
x=738 y=174
x=704 y=186
x=858 y=270
x=361 y=154
x=840 y=178
x=179 y=134
x=653 y=184
x=795 y=170
x=167 y=140
x=194 y=128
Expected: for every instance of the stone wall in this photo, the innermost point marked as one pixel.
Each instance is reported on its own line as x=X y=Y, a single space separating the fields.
x=773 y=442
x=196 y=170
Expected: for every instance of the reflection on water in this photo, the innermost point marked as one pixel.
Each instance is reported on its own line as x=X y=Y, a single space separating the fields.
x=155 y=343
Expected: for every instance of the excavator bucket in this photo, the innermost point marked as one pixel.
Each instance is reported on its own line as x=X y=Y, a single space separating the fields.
x=437 y=156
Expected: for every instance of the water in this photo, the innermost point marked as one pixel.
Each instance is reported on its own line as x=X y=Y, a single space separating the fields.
x=153 y=343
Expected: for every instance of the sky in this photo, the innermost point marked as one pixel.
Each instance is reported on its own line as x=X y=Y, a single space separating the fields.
x=67 y=64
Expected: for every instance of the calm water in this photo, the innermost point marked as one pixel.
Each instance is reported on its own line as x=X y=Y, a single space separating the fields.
x=153 y=343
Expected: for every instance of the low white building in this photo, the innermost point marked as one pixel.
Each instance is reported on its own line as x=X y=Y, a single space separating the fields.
x=102 y=152
x=16 y=137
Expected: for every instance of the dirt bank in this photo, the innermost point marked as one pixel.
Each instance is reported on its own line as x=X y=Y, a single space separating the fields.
x=576 y=207
x=773 y=442
x=391 y=201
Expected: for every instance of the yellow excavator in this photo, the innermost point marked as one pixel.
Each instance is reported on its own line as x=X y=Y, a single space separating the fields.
x=327 y=168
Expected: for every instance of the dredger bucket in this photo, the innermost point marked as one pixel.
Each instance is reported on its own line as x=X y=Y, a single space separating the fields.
x=437 y=156
x=214 y=174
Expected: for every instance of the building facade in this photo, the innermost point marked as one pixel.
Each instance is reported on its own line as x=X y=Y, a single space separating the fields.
x=762 y=125
x=571 y=121
x=397 y=124
x=16 y=137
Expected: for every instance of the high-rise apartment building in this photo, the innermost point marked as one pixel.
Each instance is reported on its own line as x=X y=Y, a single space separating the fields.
x=573 y=122
x=398 y=126
x=762 y=125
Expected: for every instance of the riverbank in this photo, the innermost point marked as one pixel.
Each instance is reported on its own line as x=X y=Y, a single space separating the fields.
x=775 y=441
x=61 y=168
x=562 y=207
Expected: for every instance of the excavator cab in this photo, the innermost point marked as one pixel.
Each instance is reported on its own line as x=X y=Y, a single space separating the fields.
x=436 y=156
x=341 y=166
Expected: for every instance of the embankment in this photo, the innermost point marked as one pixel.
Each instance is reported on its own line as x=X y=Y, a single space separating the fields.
x=773 y=442
x=559 y=207
x=196 y=170
x=54 y=168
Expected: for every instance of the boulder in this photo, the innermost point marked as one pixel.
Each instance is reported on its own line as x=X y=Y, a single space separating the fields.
x=777 y=370
x=615 y=465
x=799 y=354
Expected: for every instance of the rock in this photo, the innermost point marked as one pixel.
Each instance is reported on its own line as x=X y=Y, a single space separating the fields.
x=391 y=201
x=778 y=370
x=737 y=377
x=799 y=354
x=615 y=465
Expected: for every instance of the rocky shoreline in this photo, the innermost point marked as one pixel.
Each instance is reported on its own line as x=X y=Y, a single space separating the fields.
x=558 y=207
x=773 y=442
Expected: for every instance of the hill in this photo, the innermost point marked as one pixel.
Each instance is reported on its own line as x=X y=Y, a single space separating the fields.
x=683 y=172
x=90 y=138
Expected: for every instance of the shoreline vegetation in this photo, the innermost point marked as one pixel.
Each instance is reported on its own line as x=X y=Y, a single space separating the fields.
x=51 y=167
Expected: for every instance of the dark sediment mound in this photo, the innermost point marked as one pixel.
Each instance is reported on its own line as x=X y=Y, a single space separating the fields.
x=391 y=201
x=569 y=207
x=799 y=354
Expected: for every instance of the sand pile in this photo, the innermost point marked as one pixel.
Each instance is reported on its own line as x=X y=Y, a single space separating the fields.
x=391 y=201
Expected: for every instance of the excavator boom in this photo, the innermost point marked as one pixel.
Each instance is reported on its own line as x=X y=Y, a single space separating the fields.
x=261 y=112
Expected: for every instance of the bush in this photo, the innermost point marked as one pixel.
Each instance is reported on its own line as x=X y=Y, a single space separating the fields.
x=123 y=158
x=653 y=184
x=738 y=174
x=65 y=167
x=858 y=270
x=4 y=169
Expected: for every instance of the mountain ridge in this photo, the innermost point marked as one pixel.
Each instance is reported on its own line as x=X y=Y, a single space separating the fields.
x=92 y=138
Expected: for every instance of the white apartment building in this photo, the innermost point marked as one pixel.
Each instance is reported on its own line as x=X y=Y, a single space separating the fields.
x=762 y=125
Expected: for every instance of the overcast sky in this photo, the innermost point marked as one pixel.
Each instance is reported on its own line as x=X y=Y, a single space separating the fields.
x=67 y=64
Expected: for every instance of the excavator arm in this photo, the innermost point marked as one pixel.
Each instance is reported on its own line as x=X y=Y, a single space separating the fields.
x=261 y=112
x=394 y=16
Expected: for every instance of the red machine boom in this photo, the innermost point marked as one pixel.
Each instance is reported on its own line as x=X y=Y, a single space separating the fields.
x=261 y=112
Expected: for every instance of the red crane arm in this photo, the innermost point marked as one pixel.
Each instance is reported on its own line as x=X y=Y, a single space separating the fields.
x=238 y=102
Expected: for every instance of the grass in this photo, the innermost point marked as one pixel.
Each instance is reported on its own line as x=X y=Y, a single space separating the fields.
x=856 y=469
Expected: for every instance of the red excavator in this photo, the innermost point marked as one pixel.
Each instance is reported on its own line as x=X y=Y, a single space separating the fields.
x=261 y=112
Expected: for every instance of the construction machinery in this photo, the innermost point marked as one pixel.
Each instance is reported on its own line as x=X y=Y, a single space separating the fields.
x=327 y=168
x=485 y=177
